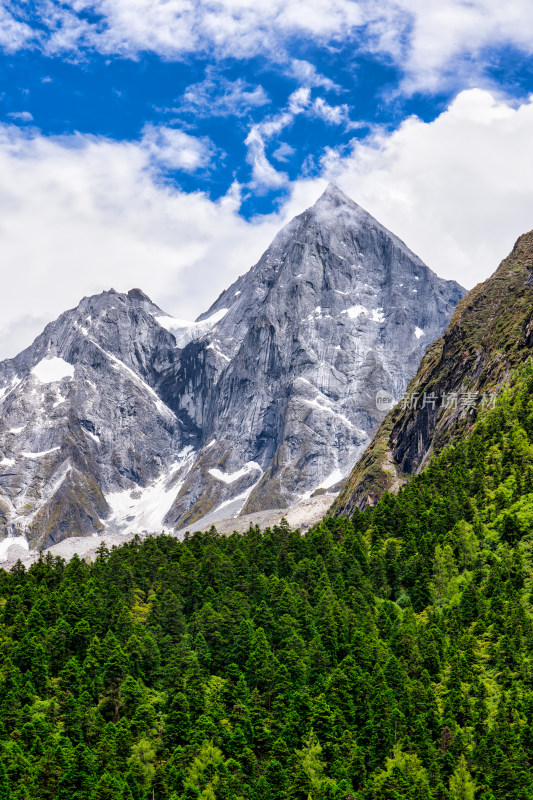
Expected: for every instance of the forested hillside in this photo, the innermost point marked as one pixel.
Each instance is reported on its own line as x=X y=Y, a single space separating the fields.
x=384 y=657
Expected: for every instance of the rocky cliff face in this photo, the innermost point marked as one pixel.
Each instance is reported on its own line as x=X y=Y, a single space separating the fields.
x=121 y=417
x=490 y=334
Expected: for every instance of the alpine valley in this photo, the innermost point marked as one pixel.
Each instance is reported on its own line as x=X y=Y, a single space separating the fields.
x=120 y=418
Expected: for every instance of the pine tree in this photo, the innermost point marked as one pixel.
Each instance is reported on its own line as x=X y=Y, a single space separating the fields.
x=462 y=787
x=4 y=785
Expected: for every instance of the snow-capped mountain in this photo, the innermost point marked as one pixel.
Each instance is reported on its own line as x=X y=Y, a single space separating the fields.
x=120 y=417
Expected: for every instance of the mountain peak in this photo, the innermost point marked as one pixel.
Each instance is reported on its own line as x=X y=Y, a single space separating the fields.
x=111 y=300
x=138 y=294
x=335 y=207
x=332 y=192
x=333 y=197
x=269 y=396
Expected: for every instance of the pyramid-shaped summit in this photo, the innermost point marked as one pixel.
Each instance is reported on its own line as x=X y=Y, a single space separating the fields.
x=335 y=309
x=332 y=193
x=336 y=209
x=120 y=418
x=334 y=196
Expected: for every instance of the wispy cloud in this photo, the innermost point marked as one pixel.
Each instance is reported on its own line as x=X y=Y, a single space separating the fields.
x=300 y=102
x=14 y=34
x=333 y=115
x=308 y=75
x=172 y=28
x=264 y=175
x=446 y=43
x=283 y=152
x=216 y=96
x=174 y=149
x=22 y=116
x=434 y=42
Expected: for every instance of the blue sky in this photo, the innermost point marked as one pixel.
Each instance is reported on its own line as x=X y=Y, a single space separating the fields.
x=339 y=89
x=164 y=143
x=343 y=93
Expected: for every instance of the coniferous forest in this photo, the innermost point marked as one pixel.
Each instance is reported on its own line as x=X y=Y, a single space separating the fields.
x=388 y=656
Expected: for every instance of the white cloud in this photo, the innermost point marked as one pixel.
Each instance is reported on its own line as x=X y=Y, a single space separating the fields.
x=333 y=115
x=283 y=152
x=264 y=175
x=23 y=116
x=308 y=75
x=434 y=41
x=13 y=33
x=172 y=28
x=174 y=149
x=458 y=190
x=80 y=214
x=219 y=97
x=447 y=39
x=299 y=100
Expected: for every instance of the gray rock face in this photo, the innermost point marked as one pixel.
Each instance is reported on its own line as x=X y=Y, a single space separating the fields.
x=119 y=416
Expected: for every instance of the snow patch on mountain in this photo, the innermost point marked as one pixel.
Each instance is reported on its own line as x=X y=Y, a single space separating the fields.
x=234 y=505
x=41 y=454
x=12 y=541
x=234 y=476
x=355 y=311
x=184 y=331
x=9 y=389
x=333 y=478
x=143 y=509
x=316 y=404
x=51 y=370
x=217 y=351
x=376 y=314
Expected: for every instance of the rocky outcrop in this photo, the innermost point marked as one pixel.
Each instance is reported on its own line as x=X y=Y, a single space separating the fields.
x=490 y=334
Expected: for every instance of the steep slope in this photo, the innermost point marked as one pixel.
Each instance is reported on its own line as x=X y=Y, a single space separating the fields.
x=284 y=386
x=490 y=334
